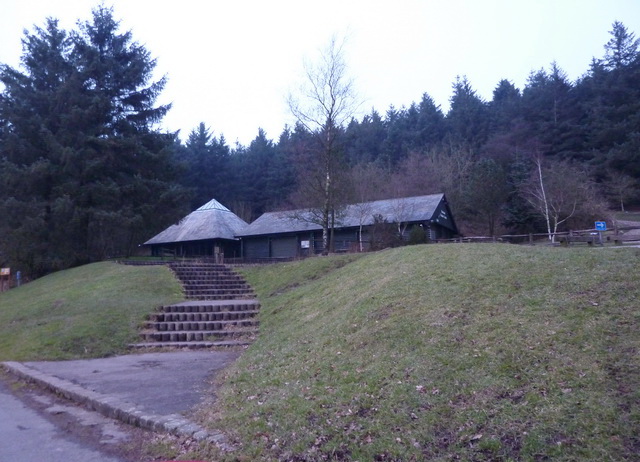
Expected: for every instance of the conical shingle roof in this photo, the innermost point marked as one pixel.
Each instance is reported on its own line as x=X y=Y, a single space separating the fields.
x=211 y=221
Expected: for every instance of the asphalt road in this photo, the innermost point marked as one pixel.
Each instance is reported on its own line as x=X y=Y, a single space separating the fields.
x=27 y=435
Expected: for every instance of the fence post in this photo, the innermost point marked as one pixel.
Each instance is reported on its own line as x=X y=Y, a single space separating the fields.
x=530 y=238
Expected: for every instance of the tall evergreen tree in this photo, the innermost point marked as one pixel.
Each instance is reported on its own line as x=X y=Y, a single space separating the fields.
x=552 y=112
x=281 y=181
x=430 y=129
x=609 y=97
x=206 y=164
x=85 y=173
x=467 y=119
x=252 y=166
x=519 y=215
x=394 y=147
x=485 y=196
x=364 y=139
x=505 y=107
x=622 y=48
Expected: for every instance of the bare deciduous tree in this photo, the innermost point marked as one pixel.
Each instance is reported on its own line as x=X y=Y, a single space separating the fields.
x=326 y=100
x=367 y=182
x=402 y=213
x=437 y=171
x=621 y=188
x=559 y=192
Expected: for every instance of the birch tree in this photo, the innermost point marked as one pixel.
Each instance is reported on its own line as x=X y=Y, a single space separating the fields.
x=324 y=103
x=559 y=191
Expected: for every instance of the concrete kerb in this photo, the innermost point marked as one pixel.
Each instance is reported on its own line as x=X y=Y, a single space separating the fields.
x=117 y=409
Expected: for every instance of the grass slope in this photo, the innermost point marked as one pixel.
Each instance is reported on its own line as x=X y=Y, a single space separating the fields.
x=85 y=312
x=441 y=352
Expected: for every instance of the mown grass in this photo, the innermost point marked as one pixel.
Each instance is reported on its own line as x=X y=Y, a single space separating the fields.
x=85 y=312
x=441 y=352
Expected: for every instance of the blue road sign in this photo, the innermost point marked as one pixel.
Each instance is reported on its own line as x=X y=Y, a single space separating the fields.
x=601 y=225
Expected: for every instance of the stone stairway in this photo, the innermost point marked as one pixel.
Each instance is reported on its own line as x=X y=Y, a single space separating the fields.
x=221 y=310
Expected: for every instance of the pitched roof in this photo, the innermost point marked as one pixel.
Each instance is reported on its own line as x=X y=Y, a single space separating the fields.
x=406 y=209
x=211 y=221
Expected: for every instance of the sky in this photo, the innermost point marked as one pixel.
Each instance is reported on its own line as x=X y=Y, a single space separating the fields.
x=231 y=64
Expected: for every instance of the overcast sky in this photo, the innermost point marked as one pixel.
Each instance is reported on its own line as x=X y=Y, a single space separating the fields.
x=230 y=64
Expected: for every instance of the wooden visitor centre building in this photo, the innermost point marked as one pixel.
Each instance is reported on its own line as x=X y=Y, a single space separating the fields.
x=213 y=230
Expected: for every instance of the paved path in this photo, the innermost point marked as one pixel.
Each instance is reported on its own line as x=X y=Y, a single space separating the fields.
x=162 y=383
x=149 y=390
x=26 y=436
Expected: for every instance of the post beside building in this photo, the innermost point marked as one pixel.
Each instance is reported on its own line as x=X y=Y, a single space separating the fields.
x=5 y=279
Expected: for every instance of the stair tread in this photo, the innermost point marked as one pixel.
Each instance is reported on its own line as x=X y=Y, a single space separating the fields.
x=230 y=322
x=208 y=297
x=241 y=301
x=247 y=329
x=194 y=344
x=248 y=313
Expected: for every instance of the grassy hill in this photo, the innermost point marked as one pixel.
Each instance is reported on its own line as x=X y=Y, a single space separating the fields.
x=441 y=352
x=85 y=312
x=435 y=352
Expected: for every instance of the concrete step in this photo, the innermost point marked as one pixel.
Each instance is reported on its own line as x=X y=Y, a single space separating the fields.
x=229 y=293
x=169 y=326
x=205 y=297
x=215 y=285
x=203 y=317
x=206 y=272
x=211 y=306
x=219 y=268
x=208 y=279
x=186 y=279
x=192 y=345
x=196 y=336
x=222 y=289
x=194 y=264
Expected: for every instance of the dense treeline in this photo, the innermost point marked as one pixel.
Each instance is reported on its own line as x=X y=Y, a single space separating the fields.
x=581 y=138
x=86 y=174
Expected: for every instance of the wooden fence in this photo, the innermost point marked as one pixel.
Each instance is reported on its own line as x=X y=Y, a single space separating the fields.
x=566 y=237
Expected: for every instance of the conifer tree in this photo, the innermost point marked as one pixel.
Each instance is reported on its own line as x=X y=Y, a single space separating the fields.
x=467 y=120
x=86 y=175
x=622 y=48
